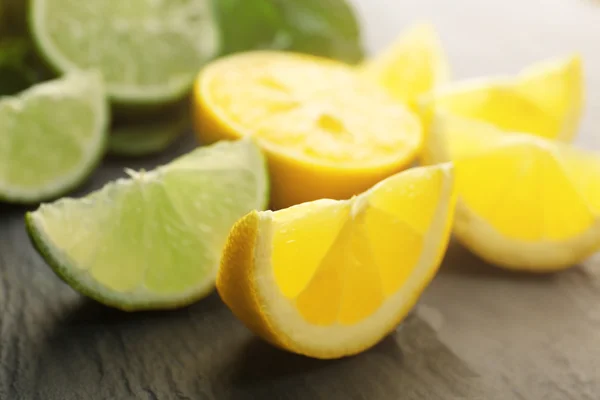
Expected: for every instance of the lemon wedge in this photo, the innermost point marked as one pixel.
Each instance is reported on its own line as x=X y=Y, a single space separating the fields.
x=331 y=278
x=545 y=99
x=327 y=132
x=524 y=202
x=414 y=64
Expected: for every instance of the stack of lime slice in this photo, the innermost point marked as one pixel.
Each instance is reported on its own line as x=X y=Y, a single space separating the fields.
x=148 y=137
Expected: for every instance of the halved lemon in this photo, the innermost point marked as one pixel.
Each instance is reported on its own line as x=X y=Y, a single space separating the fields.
x=545 y=99
x=330 y=278
x=414 y=64
x=327 y=132
x=524 y=202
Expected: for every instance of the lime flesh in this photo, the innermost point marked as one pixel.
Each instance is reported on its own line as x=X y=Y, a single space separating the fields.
x=153 y=241
x=53 y=135
x=148 y=51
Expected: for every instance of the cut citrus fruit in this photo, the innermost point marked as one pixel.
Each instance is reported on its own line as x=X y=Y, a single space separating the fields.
x=413 y=65
x=53 y=135
x=545 y=99
x=524 y=202
x=153 y=241
x=331 y=278
x=147 y=51
x=326 y=131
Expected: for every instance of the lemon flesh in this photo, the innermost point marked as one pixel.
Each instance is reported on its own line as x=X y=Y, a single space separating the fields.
x=331 y=278
x=327 y=132
x=524 y=202
x=153 y=241
x=545 y=99
x=414 y=64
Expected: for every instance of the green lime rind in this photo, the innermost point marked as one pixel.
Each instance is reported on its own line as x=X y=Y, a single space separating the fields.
x=53 y=136
x=148 y=52
x=147 y=138
x=87 y=286
x=154 y=240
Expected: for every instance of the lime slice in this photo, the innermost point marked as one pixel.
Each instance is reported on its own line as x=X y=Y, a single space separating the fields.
x=140 y=139
x=147 y=51
x=53 y=135
x=154 y=240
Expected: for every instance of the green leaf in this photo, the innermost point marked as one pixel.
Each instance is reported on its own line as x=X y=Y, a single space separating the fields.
x=16 y=73
x=326 y=28
x=20 y=67
x=13 y=19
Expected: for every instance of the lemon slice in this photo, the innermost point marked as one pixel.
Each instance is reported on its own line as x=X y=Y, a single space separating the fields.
x=327 y=132
x=545 y=99
x=524 y=202
x=412 y=65
x=331 y=278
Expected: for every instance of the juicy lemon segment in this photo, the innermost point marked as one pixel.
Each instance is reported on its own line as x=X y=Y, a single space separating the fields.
x=469 y=137
x=331 y=278
x=530 y=198
x=584 y=171
x=545 y=99
x=318 y=223
x=412 y=65
x=558 y=87
x=320 y=124
x=502 y=106
x=523 y=202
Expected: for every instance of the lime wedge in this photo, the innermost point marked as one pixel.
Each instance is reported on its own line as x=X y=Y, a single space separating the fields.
x=143 y=138
x=153 y=241
x=53 y=135
x=147 y=51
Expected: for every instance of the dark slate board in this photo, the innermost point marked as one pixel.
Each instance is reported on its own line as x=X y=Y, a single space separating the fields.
x=478 y=332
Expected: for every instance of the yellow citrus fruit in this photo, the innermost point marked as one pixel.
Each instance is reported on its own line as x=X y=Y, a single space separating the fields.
x=524 y=202
x=331 y=278
x=545 y=99
x=327 y=133
x=412 y=65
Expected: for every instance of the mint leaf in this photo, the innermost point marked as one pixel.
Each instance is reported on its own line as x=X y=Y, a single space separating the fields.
x=326 y=28
x=15 y=72
x=13 y=21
